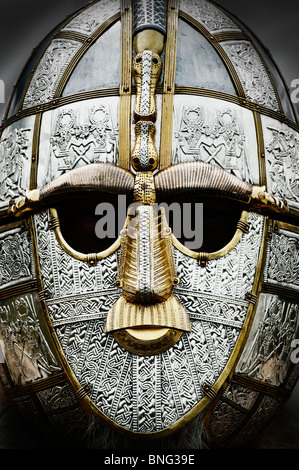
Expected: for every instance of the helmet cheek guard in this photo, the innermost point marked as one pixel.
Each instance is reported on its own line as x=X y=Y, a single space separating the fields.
x=149 y=229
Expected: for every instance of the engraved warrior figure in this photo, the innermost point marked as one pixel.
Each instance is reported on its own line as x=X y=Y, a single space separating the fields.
x=267 y=358
x=219 y=142
x=75 y=144
x=12 y=155
x=27 y=353
x=284 y=168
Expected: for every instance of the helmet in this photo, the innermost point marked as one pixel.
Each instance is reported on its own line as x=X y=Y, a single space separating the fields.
x=149 y=203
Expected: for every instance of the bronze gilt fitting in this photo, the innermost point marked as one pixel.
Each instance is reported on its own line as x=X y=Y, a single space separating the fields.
x=147 y=318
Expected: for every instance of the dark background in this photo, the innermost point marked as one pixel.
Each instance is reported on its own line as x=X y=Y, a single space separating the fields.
x=23 y=24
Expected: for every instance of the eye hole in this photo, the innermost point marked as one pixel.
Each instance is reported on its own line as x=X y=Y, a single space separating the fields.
x=204 y=224
x=92 y=224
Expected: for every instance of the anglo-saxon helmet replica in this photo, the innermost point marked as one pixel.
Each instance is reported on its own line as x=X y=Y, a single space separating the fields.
x=136 y=106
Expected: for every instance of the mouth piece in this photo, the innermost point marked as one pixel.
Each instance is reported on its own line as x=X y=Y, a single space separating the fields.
x=147 y=329
x=167 y=314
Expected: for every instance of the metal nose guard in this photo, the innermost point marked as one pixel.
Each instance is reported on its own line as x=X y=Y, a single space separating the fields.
x=142 y=317
x=146 y=276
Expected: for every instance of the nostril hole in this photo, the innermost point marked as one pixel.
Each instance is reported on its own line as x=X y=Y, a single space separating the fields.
x=136 y=160
x=151 y=161
x=155 y=60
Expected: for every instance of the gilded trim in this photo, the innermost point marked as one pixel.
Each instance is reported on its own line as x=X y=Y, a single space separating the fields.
x=261 y=148
x=285 y=292
x=179 y=90
x=169 y=84
x=289 y=227
x=262 y=387
x=19 y=289
x=125 y=89
x=34 y=154
x=72 y=36
x=90 y=258
x=35 y=254
x=204 y=257
x=35 y=387
x=229 y=36
x=12 y=225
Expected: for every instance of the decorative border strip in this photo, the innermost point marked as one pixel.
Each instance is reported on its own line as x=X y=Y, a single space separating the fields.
x=13 y=225
x=73 y=36
x=229 y=36
x=125 y=89
x=179 y=90
x=285 y=226
x=276 y=289
x=61 y=101
x=182 y=90
x=24 y=288
x=34 y=154
x=261 y=148
x=35 y=387
x=169 y=84
x=262 y=387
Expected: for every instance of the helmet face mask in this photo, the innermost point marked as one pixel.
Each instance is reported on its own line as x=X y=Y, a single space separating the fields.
x=144 y=228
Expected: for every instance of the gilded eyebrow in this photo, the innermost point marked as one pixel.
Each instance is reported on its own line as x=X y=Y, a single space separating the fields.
x=207 y=179
x=103 y=177
x=192 y=176
x=96 y=177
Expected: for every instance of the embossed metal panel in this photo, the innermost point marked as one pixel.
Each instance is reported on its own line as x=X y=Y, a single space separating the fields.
x=199 y=120
x=215 y=132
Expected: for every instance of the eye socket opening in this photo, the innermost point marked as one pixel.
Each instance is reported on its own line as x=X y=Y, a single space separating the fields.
x=91 y=223
x=207 y=223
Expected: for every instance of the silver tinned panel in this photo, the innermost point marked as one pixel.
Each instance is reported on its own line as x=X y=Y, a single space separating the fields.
x=282 y=162
x=91 y=18
x=15 y=159
x=211 y=17
x=252 y=73
x=76 y=135
x=49 y=71
x=216 y=132
x=198 y=64
x=267 y=354
x=99 y=68
x=16 y=258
